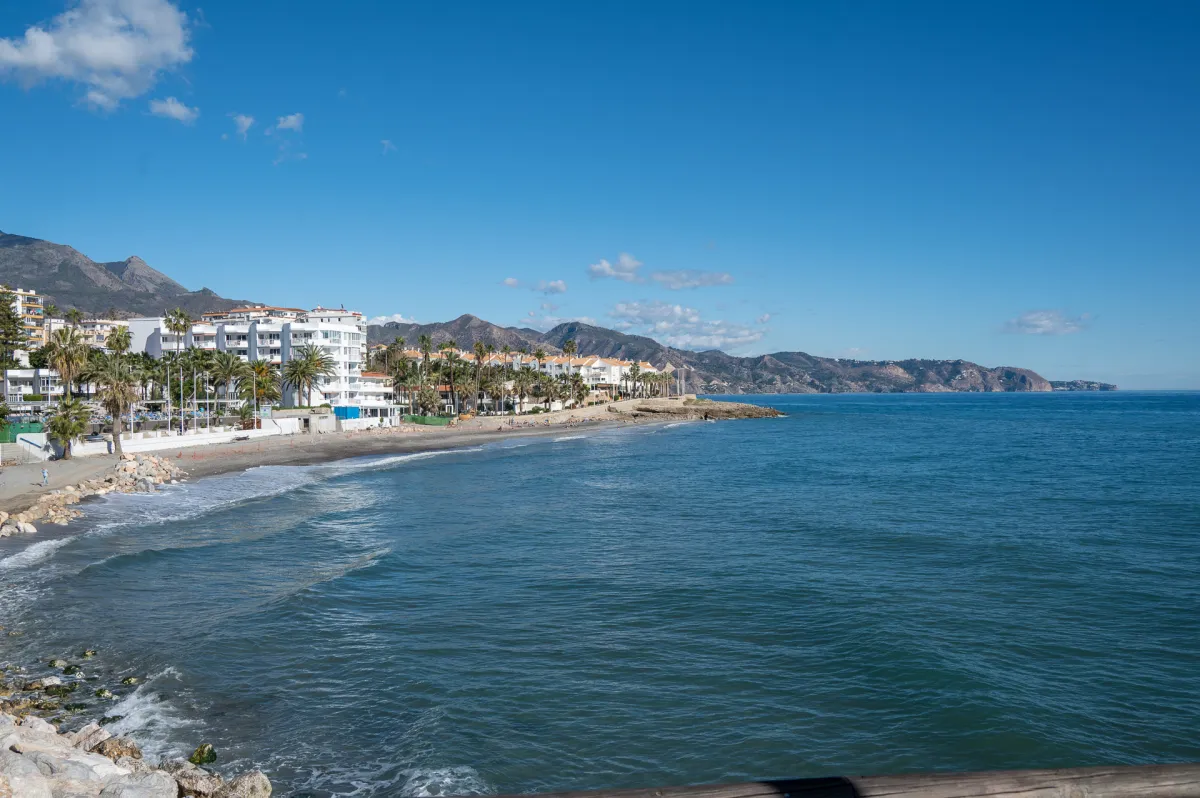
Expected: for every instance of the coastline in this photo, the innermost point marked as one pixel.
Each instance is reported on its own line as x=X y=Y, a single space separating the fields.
x=21 y=485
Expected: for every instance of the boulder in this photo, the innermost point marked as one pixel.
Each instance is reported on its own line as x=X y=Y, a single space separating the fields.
x=21 y=777
x=151 y=784
x=73 y=788
x=248 y=785
x=58 y=663
x=194 y=781
x=204 y=754
x=49 y=681
x=116 y=747
x=27 y=528
x=88 y=737
x=38 y=725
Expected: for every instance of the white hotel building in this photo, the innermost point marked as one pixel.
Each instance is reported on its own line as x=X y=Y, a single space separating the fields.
x=272 y=334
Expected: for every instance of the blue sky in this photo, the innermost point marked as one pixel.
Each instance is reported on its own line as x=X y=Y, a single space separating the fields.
x=1010 y=183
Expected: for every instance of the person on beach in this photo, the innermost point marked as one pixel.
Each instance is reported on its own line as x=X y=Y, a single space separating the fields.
x=45 y=478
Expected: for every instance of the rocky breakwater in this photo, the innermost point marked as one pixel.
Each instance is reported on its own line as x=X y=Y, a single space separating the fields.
x=133 y=474
x=692 y=410
x=36 y=761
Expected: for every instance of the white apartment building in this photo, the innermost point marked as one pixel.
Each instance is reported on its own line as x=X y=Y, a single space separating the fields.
x=20 y=385
x=273 y=341
x=30 y=307
x=94 y=332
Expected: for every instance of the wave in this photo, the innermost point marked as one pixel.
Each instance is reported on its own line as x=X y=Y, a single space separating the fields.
x=34 y=554
x=570 y=438
x=150 y=718
x=460 y=780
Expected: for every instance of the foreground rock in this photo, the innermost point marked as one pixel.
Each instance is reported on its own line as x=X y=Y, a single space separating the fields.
x=38 y=762
x=133 y=474
x=693 y=410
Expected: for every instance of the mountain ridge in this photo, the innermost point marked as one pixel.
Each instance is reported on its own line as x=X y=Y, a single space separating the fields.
x=68 y=278
x=714 y=371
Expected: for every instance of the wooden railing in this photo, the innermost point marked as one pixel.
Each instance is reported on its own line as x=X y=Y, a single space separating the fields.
x=1144 y=781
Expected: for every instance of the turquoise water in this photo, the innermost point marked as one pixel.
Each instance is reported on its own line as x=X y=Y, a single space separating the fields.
x=873 y=584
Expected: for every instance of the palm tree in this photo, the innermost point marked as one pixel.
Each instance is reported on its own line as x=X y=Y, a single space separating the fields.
x=227 y=370
x=539 y=355
x=68 y=355
x=73 y=317
x=480 y=354
x=118 y=391
x=395 y=349
x=450 y=360
x=425 y=343
x=260 y=386
x=523 y=382
x=119 y=341
x=569 y=349
x=306 y=367
x=635 y=373
x=578 y=389
x=69 y=421
x=49 y=309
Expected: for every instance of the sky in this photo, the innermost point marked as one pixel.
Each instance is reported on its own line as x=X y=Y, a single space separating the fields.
x=1011 y=183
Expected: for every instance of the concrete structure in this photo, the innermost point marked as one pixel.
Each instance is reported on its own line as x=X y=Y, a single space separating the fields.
x=22 y=383
x=94 y=332
x=253 y=313
x=31 y=308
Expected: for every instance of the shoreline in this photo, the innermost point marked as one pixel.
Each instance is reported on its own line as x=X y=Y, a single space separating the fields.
x=21 y=488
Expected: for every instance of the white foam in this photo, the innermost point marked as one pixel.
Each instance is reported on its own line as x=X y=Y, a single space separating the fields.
x=570 y=438
x=149 y=718
x=457 y=780
x=34 y=554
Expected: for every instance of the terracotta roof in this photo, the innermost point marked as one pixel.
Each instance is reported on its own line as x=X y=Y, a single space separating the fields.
x=375 y=374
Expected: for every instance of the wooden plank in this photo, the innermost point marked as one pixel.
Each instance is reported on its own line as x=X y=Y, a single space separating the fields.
x=1142 y=781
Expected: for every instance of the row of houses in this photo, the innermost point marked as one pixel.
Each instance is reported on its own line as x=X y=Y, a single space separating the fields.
x=273 y=334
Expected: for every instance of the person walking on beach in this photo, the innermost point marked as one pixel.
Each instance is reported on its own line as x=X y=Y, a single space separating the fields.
x=45 y=478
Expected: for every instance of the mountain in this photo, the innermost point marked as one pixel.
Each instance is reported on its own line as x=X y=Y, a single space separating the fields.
x=716 y=372
x=1081 y=385
x=70 y=279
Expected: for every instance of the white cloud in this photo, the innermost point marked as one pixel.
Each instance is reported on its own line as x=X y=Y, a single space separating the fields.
x=549 y=307
x=171 y=108
x=512 y=282
x=552 y=286
x=115 y=49
x=388 y=146
x=626 y=269
x=764 y=318
x=399 y=318
x=290 y=122
x=546 y=320
x=243 y=123
x=691 y=278
x=681 y=326
x=1046 y=322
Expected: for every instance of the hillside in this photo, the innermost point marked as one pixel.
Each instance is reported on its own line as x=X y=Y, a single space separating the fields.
x=717 y=372
x=70 y=279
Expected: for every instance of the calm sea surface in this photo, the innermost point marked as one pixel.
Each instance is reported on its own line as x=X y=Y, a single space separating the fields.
x=873 y=584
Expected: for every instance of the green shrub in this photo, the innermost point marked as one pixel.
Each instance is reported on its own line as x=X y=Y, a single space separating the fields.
x=33 y=397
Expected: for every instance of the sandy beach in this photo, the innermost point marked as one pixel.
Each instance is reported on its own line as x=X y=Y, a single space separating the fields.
x=20 y=485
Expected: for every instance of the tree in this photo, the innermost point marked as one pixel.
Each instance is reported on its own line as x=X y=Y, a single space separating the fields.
x=5 y=411
x=68 y=355
x=539 y=355
x=227 y=370
x=450 y=360
x=119 y=341
x=260 y=386
x=12 y=329
x=578 y=389
x=523 y=383
x=569 y=349
x=49 y=310
x=39 y=359
x=425 y=343
x=307 y=365
x=74 y=316
x=428 y=400
x=480 y=355
x=118 y=391
x=70 y=420
x=635 y=374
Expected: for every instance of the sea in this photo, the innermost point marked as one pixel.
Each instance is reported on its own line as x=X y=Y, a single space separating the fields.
x=873 y=584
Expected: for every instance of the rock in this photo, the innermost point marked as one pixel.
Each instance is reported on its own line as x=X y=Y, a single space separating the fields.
x=134 y=765
x=107 y=719
x=73 y=788
x=3 y=517
x=71 y=670
x=104 y=692
x=22 y=777
x=27 y=528
x=61 y=690
x=130 y=680
x=151 y=784
x=88 y=653
x=254 y=784
x=194 y=781
x=88 y=737
x=58 y=663
x=49 y=681
x=116 y=747
x=204 y=754
x=38 y=725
